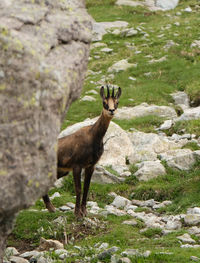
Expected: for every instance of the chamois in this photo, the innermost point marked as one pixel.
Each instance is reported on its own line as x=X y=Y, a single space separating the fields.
x=83 y=149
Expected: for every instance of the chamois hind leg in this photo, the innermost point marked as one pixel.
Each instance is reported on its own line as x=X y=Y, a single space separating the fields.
x=88 y=174
x=48 y=204
x=77 y=182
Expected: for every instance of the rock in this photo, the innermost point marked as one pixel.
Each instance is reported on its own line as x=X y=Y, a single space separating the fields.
x=135 y=252
x=15 y=259
x=193 y=258
x=192 y=219
x=56 y=194
x=62 y=253
x=37 y=87
x=181 y=159
x=111 y=210
x=33 y=253
x=189 y=114
x=197 y=154
x=102 y=176
x=117 y=145
x=107 y=50
x=46 y=244
x=173 y=225
x=181 y=99
x=88 y=98
x=120 y=66
x=103 y=246
x=147 y=146
x=166 y=4
x=101 y=28
x=120 y=202
x=129 y=32
x=186 y=238
x=65 y=208
x=107 y=253
x=131 y=222
x=149 y=169
x=128 y=3
x=188 y=9
x=166 y=125
x=194 y=231
x=11 y=251
x=196 y=43
x=189 y=246
x=194 y=210
x=143 y=110
x=125 y=260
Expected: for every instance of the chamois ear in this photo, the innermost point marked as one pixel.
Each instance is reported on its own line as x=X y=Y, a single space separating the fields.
x=118 y=94
x=102 y=93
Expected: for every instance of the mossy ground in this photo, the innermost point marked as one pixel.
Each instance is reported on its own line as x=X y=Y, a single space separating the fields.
x=180 y=72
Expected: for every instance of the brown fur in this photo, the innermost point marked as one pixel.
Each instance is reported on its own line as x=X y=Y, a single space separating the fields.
x=82 y=150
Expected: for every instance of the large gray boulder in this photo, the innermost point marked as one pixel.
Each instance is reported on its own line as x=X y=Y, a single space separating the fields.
x=44 y=47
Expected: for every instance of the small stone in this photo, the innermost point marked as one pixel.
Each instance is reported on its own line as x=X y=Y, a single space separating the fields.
x=107 y=50
x=11 y=251
x=120 y=202
x=29 y=254
x=131 y=78
x=88 y=98
x=193 y=258
x=166 y=125
x=188 y=9
x=56 y=194
x=131 y=222
x=192 y=219
x=15 y=259
x=65 y=208
x=46 y=244
x=186 y=238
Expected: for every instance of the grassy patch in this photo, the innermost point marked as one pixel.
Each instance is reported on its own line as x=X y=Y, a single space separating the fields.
x=145 y=124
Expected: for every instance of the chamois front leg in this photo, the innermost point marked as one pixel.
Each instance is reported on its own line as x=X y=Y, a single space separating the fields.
x=88 y=174
x=77 y=182
x=48 y=204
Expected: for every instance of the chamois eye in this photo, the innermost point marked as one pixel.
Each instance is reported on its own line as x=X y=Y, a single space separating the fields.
x=105 y=105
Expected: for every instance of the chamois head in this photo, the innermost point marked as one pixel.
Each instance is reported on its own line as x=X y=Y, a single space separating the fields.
x=110 y=102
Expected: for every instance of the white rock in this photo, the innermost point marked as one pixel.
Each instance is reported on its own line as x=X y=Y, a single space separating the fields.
x=186 y=238
x=192 y=219
x=189 y=246
x=181 y=159
x=194 y=210
x=128 y=3
x=107 y=50
x=196 y=43
x=100 y=29
x=111 y=210
x=145 y=109
x=131 y=222
x=194 y=230
x=33 y=253
x=15 y=259
x=11 y=251
x=166 y=4
x=173 y=225
x=120 y=66
x=181 y=98
x=166 y=125
x=56 y=194
x=88 y=98
x=147 y=146
x=189 y=114
x=65 y=208
x=188 y=9
x=149 y=169
x=120 y=202
x=129 y=32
